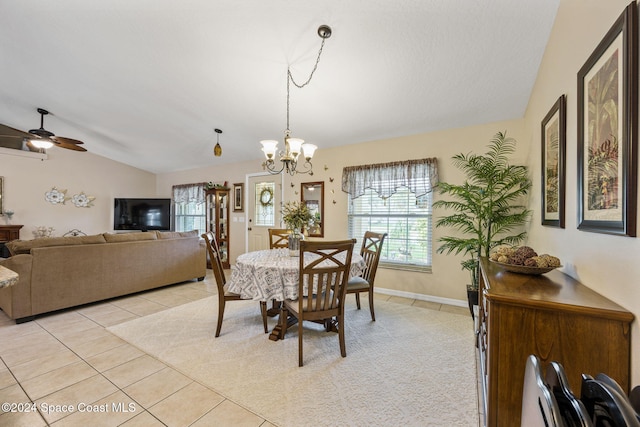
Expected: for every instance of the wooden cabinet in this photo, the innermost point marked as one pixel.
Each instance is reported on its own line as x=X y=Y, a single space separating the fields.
x=7 y=234
x=554 y=317
x=218 y=220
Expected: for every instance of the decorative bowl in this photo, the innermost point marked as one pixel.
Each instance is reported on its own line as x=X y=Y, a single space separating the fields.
x=523 y=269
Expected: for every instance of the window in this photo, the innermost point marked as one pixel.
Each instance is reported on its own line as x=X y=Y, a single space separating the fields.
x=396 y=199
x=189 y=211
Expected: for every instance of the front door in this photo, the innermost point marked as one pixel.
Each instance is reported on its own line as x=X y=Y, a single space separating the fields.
x=264 y=206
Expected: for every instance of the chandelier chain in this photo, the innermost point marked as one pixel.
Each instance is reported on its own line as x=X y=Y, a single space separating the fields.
x=300 y=86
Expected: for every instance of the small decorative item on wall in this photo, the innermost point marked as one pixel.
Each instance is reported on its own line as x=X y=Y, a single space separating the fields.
x=56 y=197
x=607 y=126
x=554 y=129
x=266 y=197
x=82 y=200
x=238 y=197
x=1 y=195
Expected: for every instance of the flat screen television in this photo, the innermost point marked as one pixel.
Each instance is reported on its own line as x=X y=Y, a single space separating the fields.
x=141 y=214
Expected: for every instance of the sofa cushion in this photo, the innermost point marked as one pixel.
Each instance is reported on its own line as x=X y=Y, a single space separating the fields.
x=129 y=237
x=176 y=234
x=24 y=246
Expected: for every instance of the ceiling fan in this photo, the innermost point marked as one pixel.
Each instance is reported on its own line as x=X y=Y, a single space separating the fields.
x=38 y=139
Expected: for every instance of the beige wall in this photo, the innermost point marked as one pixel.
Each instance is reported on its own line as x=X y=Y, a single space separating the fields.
x=447 y=281
x=607 y=264
x=26 y=180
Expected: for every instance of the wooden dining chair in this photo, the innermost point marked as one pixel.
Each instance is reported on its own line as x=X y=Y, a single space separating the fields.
x=371 y=250
x=221 y=281
x=322 y=280
x=278 y=238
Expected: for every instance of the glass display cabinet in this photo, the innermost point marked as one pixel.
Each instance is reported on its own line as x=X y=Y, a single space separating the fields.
x=218 y=220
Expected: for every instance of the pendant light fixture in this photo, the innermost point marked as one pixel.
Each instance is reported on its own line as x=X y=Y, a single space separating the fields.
x=217 y=150
x=293 y=147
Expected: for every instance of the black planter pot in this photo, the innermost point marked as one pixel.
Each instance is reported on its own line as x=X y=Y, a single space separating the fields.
x=472 y=298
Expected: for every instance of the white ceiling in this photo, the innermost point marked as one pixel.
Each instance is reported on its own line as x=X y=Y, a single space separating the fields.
x=145 y=82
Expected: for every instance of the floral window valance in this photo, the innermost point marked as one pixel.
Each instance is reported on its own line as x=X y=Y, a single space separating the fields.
x=420 y=176
x=189 y=193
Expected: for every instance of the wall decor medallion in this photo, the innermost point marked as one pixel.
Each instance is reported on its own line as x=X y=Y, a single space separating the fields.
x=554 y=128
x=82 y=200
x=56 y=197
x=607 y=126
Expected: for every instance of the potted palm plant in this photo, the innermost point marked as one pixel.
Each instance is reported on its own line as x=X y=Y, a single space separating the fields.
x=487 y=209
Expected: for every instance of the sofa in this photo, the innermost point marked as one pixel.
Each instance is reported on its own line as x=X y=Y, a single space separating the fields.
x=62 y=272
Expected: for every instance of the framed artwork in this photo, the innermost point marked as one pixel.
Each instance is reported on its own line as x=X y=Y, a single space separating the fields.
x=1 y=195
x=238 y=197
x=607 y=126
x=554 y=132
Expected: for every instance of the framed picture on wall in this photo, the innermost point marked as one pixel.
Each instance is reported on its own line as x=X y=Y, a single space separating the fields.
x=238 y=197
x=1 y=195
x=607 y=126
x=554 y=131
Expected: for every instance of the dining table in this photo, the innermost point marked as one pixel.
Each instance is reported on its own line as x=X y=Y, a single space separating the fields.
x=272 y=275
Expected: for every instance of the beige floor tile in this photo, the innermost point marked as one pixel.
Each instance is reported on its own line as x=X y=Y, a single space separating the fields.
x=22 y=419
x=109 y=411
x=97 y=346
x=6 y=378
x=186 y=406
x=114 y=357
x=65 y=321
x=57 y=379
x=464 y=311
x=38 y=347
x=110 y=318
x=156 y=387
x=97 y=309
x=12 y=331
x=83 y=392
x=44 y=364
x=12 y=394
x=427 y=304
x=133 y=371
x=267 y=424
x=401 y=300
x=168 y=299
x=139 y=306
x=73 y=339
x=144 y=419
x=190 y=293
x=229 y=414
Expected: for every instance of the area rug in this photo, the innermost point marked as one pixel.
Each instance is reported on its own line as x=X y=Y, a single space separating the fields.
x=411 y=367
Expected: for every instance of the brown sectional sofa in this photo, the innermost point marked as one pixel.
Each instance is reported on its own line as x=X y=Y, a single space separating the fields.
x=63 y=272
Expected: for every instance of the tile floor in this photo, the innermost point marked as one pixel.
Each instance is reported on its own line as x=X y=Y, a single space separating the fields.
x=66 y=369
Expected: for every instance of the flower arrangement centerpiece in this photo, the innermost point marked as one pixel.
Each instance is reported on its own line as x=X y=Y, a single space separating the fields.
x=296 y=216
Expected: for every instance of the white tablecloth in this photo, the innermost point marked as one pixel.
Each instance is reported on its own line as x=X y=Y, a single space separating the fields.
x=272 y=274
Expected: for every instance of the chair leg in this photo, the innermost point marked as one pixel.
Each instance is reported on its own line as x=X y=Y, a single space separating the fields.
x=373 y=314
x=358 y=300
x=299 y=342
x=263 y=311
x=343 y=347
x=221 y=303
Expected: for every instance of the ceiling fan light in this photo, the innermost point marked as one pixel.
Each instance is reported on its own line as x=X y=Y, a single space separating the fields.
x=41 y=143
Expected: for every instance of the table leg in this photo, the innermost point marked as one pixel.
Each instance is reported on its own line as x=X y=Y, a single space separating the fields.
x=277 y=333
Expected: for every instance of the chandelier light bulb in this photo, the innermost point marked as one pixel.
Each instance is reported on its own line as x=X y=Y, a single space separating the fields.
x=42 y=143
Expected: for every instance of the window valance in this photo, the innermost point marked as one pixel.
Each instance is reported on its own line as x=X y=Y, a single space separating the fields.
x=420 y=176
x=189 y=193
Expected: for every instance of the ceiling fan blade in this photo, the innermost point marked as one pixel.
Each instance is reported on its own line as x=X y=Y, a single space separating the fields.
x=74 y=147
x=64 y=140
x=8 y=131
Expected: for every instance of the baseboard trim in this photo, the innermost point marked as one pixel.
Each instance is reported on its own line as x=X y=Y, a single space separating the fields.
x=422 y=297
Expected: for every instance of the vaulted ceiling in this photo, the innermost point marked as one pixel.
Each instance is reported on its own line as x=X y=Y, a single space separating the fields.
x=145 y=82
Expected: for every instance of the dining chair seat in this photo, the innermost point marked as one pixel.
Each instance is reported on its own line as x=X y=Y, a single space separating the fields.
x=357 y=283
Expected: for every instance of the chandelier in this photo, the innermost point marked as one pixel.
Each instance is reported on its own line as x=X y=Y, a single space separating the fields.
x=293 y=147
